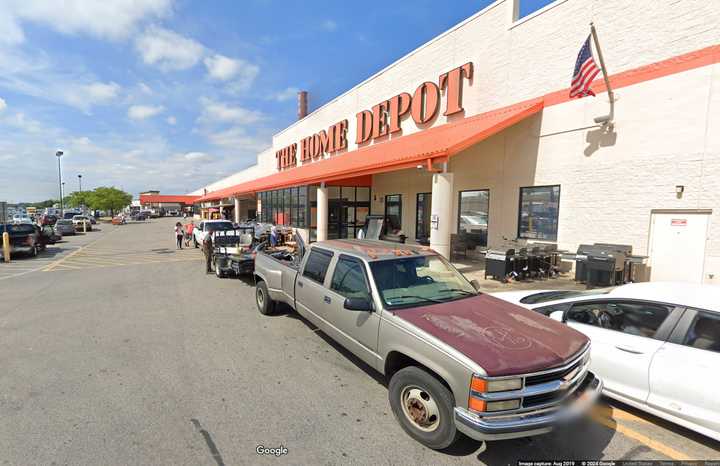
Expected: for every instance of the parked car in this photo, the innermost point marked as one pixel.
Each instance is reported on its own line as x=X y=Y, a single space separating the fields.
x=21 y=218
x=65 y=227
x=457 y=361
x=48 y=235
x=69 y=214
x=118 y=220
x=81 y=223
x=656 y=345
x=48 y=219
x=208 y=226
x=24 y=238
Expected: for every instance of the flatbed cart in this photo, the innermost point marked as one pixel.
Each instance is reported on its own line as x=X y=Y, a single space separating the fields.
x=234 y=252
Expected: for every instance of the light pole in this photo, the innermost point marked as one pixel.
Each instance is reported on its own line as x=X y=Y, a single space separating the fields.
x=62 y=194
x=80 y=182
x=59 y=154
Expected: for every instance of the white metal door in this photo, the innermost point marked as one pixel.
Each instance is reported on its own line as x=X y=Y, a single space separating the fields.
x=677 y=246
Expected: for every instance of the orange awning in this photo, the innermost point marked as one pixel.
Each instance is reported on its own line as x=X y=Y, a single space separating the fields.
x=396 y=154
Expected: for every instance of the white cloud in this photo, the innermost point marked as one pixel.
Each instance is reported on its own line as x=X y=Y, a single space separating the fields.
x=285 y=94
x=167 y=49
x=107 y=19
x=329 y=25
x=141 y=112
x=38 y=76
x=197 y=157
x=145 y=89
x=218 y=112
x=171 y=120
x=223 y=68
x=3 y=104
x=237 y=139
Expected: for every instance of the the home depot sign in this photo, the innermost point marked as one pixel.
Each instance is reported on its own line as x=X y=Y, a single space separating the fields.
x=384 y=118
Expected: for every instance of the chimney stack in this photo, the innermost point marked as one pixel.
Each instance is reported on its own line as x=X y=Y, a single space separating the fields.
x=302 y=104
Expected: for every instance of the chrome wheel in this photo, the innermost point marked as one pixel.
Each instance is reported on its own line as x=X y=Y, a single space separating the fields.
x=260 y=297
x=420 y=408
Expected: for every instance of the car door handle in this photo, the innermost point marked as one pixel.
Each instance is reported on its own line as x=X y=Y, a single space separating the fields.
x=300 y=284
x=629 y=350
x=326 y=299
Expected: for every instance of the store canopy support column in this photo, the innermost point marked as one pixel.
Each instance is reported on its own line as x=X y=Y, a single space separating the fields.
x=441 y=213
x=322 y=212
x=237 y=210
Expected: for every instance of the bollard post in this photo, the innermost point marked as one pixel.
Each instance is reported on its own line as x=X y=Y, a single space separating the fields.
x=84 y=226
x=6 y=246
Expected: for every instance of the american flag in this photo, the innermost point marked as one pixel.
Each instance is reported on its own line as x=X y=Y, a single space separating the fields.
x=585 y=72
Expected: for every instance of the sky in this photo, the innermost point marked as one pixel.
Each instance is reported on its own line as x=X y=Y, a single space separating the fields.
x=174 y=94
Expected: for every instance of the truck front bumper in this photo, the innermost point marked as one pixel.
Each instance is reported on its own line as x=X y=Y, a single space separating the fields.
x=527 y=424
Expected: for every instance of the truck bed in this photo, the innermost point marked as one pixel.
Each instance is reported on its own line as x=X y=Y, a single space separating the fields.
x=279 y=270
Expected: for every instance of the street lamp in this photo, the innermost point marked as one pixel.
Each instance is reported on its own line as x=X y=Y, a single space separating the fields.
x=59 y=154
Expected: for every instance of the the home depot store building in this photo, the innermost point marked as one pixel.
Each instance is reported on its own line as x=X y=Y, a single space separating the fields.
x=473 y=136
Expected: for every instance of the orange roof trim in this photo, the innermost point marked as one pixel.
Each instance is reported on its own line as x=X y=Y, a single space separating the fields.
x=396 y=154
x=179 y=199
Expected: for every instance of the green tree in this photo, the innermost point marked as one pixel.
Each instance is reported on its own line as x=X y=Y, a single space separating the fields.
x=109 y=198
x=78 y=199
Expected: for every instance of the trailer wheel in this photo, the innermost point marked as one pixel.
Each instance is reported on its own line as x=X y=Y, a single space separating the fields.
x=424 y=407
x=195 y=243
x=265 y=305
x=219 y=273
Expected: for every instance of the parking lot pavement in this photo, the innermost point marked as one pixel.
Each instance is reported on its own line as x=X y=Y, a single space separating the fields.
x=155 y=362
x=22 y=264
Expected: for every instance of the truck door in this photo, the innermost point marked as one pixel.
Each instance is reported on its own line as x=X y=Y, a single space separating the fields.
x=310 y=285
x=355 y=328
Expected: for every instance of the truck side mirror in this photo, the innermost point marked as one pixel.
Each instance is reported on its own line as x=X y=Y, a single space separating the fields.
x=358 y=304
x=558 y=315
x=475 y=284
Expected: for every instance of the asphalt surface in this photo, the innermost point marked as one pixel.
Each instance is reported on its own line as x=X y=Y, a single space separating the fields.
x=117 y=349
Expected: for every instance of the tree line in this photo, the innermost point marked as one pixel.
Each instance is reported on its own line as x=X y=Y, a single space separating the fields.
x=104 y=198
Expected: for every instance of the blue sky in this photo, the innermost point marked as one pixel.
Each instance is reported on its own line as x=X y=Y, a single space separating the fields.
x=173 y=94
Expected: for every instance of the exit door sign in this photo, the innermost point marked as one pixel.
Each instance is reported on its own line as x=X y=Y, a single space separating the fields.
x=678 y=222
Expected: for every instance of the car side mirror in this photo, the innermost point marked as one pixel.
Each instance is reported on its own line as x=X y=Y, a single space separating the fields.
x=358 y=304
x=475 y=284
x=558 y=315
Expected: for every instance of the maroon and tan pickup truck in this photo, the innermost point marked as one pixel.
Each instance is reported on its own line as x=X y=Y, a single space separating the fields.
x=456 y=360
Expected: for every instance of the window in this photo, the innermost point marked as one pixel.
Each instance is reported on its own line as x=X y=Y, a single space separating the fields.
x=422 y=216
x=633 y=318
x=416 y=281
x=538 y=216
x=704 y=332
x=349 y=278
x=285 y=206
x=393 y=212
x=317 y=265
x=473 y=211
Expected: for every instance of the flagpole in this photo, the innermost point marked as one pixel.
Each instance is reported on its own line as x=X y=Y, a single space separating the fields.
x=611 y=96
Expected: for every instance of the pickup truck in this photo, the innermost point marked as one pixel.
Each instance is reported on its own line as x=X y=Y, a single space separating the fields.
x=208 y=226
x=456 y=360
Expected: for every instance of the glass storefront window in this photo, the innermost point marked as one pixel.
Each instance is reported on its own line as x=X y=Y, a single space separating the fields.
x=538 y=216
x=473 y=215
x=393 y=212
x=422 y=217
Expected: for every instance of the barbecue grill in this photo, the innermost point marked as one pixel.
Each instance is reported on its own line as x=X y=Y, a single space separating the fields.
x=499 y=264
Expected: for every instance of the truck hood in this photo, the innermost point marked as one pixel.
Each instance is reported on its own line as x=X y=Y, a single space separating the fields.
x=504 y=339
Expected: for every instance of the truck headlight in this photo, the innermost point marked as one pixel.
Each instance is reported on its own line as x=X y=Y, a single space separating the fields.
x=481 y=385
x=502 y=405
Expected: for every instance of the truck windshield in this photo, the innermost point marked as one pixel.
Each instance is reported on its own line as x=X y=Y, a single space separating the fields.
x=410 y=281
x=219 y=226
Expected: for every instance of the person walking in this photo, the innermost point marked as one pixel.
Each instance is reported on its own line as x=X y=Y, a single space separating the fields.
x=189 y=233
x=208 y=251
x=178 y=235
x=273 y=235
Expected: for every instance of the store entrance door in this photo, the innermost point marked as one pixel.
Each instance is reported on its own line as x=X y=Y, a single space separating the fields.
x=677 y=246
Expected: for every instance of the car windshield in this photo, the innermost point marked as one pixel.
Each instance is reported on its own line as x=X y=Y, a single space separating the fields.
x=219 y=226
x=20 y=228
x=545 y=296
x=410 y=281
x=64 y=222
